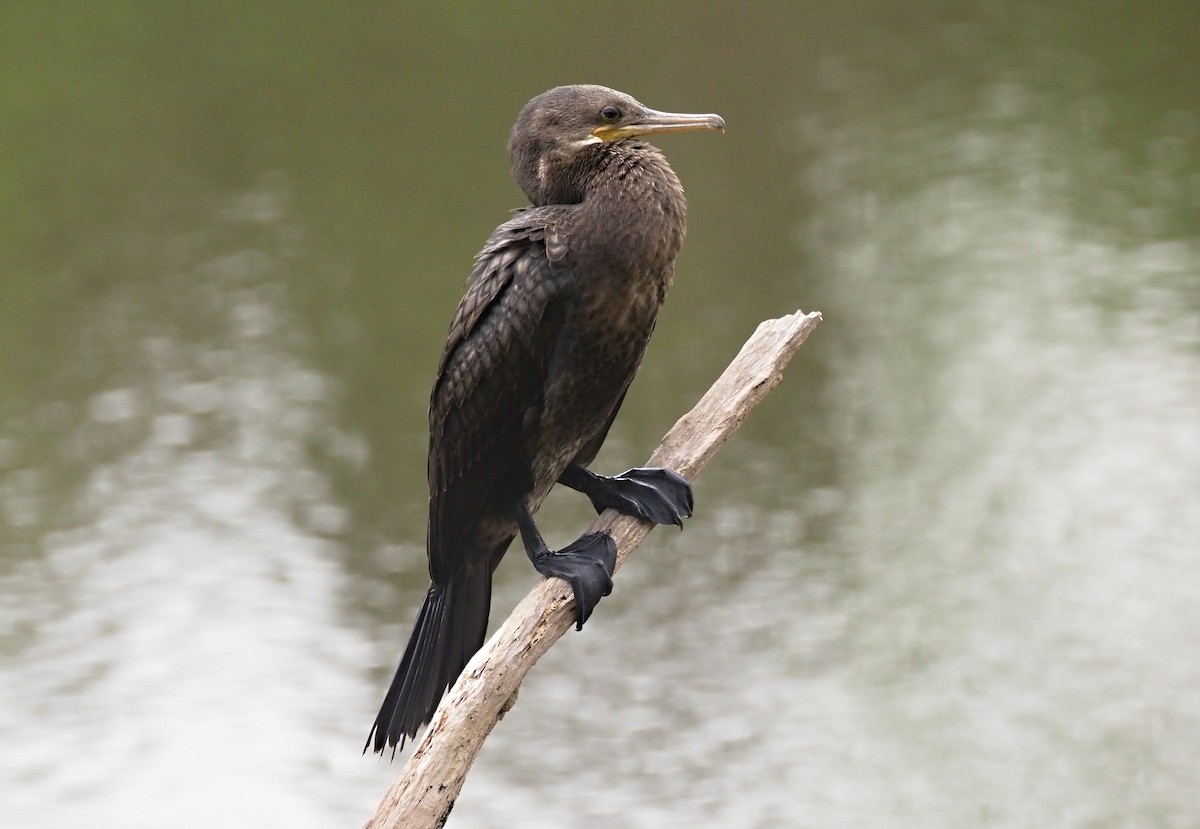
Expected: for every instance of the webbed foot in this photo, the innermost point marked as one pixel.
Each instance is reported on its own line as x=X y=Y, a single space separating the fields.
x=586 y=564
x=651 y=493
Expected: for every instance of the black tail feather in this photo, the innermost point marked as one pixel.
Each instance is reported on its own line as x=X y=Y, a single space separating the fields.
x=450 y=628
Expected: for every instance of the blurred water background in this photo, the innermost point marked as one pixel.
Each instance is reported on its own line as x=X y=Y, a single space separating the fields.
x=947 y=576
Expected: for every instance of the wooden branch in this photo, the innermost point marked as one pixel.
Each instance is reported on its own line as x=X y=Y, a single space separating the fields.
x=425 y=792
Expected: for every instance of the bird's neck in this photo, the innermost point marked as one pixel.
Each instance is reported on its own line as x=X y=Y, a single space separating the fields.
x=600 y=170
x=634 y=202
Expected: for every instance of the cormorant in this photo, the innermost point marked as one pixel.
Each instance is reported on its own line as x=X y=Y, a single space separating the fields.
x=561 y=304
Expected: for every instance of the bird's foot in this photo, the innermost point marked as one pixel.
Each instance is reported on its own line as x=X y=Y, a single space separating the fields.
x=587 y=565
x=652 y=493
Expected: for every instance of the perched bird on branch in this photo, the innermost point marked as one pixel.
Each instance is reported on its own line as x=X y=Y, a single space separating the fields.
x=562 y=302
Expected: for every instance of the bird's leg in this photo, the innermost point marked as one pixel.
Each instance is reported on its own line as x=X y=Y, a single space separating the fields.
x=654 y=494
x=586 y=564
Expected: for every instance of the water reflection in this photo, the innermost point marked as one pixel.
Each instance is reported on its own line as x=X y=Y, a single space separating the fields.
x=1019 y=404
x=178 y=641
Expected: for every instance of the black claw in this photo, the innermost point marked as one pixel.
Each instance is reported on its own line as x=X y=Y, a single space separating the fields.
x=587 y=565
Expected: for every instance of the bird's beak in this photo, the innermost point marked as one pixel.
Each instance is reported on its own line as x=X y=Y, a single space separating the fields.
x=653 y=122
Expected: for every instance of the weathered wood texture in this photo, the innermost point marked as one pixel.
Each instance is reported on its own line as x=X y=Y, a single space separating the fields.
x=425 y=792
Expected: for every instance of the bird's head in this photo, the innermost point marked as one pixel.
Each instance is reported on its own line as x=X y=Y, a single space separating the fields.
x=557 y=125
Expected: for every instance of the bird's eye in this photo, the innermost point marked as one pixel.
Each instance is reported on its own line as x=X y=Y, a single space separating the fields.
x=610 y=113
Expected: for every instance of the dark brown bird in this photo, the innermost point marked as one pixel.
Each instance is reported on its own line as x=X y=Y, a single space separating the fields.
x=562 y=302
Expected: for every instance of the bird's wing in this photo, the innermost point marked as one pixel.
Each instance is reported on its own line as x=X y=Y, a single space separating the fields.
x=491 y=375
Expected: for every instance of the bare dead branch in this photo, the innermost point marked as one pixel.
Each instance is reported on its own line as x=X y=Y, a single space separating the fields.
x=425 y=792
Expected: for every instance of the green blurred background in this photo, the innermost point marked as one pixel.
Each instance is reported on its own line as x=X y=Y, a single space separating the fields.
x=948 y=575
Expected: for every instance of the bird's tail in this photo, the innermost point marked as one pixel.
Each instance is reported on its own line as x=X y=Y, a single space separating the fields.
x=450 y=628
